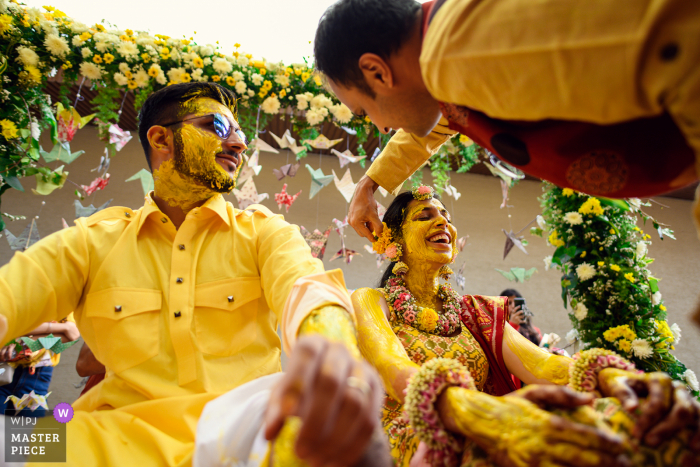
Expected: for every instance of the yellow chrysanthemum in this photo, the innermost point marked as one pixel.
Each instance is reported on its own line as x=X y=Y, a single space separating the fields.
x=428 y=319
x=9 y=130
x=583 y=255
x=592 y=207
x=108 y=58
x=662 y=307
x=305 y=76
x=198 y=62
x=615 y=267
x=145 y=57
x=567 y=192
x=624 y=345
x=97 y=58
x=186 y=77
x=5 y=23
x=230 y=81
x=630 y=277
x=216 y=78
x=601 y=263
x=153 y=72
x=623 y=331
x=131 y=84
x=283 y=93
x=555 y=240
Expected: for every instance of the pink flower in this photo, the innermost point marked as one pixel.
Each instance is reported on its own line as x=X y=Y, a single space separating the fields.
x=404 y=296
x=390 y=251
x=424 y=190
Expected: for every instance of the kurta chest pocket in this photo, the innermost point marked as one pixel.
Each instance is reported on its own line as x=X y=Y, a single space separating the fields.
x=225 y=315
x=126 y=322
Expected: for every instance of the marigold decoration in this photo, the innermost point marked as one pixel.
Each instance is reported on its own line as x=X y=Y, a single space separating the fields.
x=423 y=192
x=400 y=269
x=422 y=392
x=445 y=272
x=583 y=373
x=403 y=305
x=382 y=241
x=9 y=130
x=624 y=311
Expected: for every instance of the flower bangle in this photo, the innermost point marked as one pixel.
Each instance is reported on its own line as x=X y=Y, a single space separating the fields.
x=422 y=393
x=583 y=373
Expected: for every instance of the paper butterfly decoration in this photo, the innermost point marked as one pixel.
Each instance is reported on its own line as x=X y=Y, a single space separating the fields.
x=68 y=122
x=288 y=170
x=118 y=137
x=345 y=253
x=316 y=241
x=49 y=342
x=286 y=141
x=380 y=258
x=88 y=211
x=518 y=274
x=28 y=237
x=452 y=191
x=32 y=401
x=285 y=199
x=251 y=168
x=61 y=152
x=512 y=240
x=345 y=185
x=55 y=180
x=97 y=184
x=318 y=180
x=346 y=157
x=263 y=146
x=459 y=277
x=146 y=179
x=248 y=195
x=322 y=142
x=462 y=242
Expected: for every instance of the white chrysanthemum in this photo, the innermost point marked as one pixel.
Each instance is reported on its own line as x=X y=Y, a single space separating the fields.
x=691 y=379
x=322 y=111
x=146 y=41
x=302 y=102
x=573 y=218
x=656 y=298
x=206 y=61
x=676 y=331
x=120 y=79
x=581 y=311
x=27 y=56
x=282 y=80
x=271 y=105
x=541 y=222
x=321 y=101
x=342 y=113
x=128 y=50
x=222 y=66
x=77 y=41
x=242 y=61
x=161 y=79
x=237 y=75
x=241 y=87
x=572 y=336
x=35 y=129
x=206 y=50
x=124 y=68
x=57 y=45
x=251 y=93
x=257 y=79
x=102 y=46
x=547 y=262
x=91 y=71
x=641 y=250
x=175 y=55
x=585 y=271
x=106 y=37
x=175 y=74
x=86 y=52
x=141 y=78
x=642 y=348
x=636 y=202
x=198 y=75
x=314 y=117
x=78 y=28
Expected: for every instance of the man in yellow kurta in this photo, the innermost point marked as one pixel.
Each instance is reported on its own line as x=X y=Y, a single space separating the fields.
x=180 y=300
x=602 y=97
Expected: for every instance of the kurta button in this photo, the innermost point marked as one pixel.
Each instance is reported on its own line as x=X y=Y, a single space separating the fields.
x=164 y=220
x=182 y=247
x=118 y=308
x=230 y=298
x=178 y=314
x=127 y=214
x=179 y=280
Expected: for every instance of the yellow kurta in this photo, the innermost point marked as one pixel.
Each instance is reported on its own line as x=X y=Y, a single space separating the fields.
x=598 y=61
x=178 y=317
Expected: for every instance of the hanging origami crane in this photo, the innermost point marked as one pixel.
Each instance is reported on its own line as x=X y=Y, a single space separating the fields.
x=248 y=195
x=251 y=168
x=376 y=152
x=288 y=170
x=462 y=242
x=146 y=179
x=346 y=157
x=46 y=184
x=380 y=258
x=69 y=121
x=459 y=277
x=383 y=191
x=32 y=401
x=345 y=253
x=322 y=142
x=345 y=185
x=28 y=237
x=518 y=274
x=61 y=152
x=49 y=342
x=287 y=142
x=317 y=241
x=381 y=210
x=452 y=191
x=512 y=240
x=285 y=199
x=263 y=146
x=87 y=211
x=318 y=180
x=118 y=137
x=97 y=184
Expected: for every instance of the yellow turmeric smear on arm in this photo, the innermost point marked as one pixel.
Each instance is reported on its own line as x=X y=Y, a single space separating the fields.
x=335 y=324
x=532 y=364
x=378 y=343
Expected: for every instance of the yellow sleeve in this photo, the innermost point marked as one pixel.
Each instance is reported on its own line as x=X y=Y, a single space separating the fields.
x=599 y=62
x=44 y=283
x=379 y=345
x=532 y=364
x=293 y=281
x=404 y=154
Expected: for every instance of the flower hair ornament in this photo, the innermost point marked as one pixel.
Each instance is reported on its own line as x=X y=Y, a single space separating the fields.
x=385 y=245
x=423 y=192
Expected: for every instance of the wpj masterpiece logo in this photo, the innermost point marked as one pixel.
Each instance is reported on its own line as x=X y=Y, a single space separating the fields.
x=37 y=439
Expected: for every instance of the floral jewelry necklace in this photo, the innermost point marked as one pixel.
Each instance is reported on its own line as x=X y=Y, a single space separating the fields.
x=425 y=319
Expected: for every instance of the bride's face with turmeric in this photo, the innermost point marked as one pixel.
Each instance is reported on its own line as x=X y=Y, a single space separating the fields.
x=427 y=233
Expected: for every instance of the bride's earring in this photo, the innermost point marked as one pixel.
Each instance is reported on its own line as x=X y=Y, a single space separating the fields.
x=445 y=272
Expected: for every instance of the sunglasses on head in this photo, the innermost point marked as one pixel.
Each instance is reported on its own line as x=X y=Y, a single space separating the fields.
x=222 y=126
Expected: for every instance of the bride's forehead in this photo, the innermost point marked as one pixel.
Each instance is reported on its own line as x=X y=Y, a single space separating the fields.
x=416 y=206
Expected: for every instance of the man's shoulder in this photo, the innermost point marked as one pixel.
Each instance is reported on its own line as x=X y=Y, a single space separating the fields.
x=251 y=210
x=109 y=215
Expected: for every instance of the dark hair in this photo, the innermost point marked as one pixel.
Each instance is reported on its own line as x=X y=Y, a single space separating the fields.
x=350 y=28
x=510 y=293
x=164 y=106
x=394 y=217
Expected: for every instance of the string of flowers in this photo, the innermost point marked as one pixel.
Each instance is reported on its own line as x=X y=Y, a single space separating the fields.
x=603 y=257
